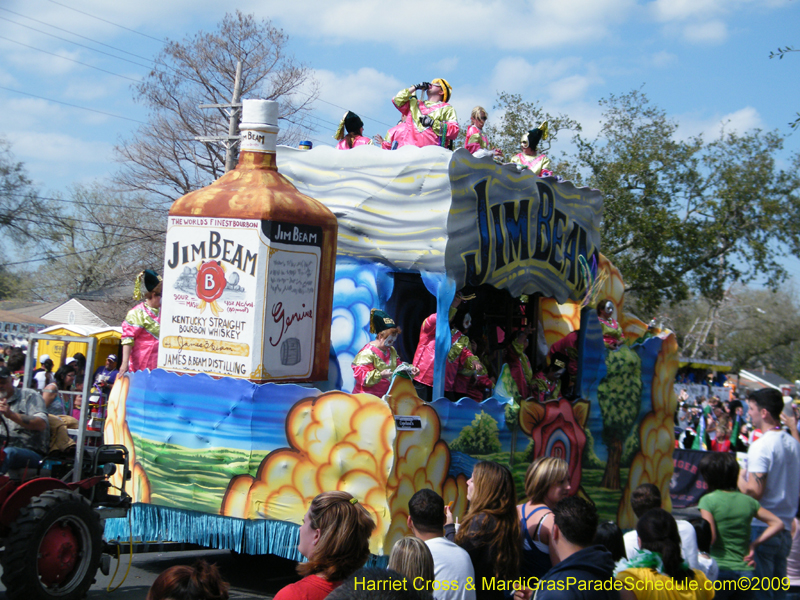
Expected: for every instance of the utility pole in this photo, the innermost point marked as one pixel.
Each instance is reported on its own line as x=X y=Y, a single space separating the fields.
x=234 y=108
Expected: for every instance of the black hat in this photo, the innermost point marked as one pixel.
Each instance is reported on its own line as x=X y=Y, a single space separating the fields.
x=148 y=279
x=350 y=122
x=380 y=321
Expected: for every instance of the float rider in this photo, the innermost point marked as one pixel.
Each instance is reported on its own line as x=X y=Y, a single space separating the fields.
x=431 y=122
x=528 y=157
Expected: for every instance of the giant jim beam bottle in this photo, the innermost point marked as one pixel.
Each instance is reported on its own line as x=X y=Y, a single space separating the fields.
x=248 y=270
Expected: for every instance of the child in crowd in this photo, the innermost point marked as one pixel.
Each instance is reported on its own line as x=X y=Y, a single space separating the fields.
x=658 y=570
x=609 y=535
x=413 y=560
x=201 y=581
x=708 y=565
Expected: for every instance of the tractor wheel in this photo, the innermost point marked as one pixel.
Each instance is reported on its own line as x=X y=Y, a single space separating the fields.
x=53 y=548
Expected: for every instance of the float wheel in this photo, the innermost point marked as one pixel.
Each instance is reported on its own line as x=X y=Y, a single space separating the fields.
x=53 y=548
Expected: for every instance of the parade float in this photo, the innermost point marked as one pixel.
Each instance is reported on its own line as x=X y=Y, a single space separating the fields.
x=267 y=299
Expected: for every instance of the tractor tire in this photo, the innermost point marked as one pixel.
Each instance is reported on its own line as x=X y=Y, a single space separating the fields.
x=53 y=549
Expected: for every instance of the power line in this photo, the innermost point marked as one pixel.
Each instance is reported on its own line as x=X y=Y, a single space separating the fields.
x=81 y=202
x=102 y=112
x=77 y=227
x=109 y=22
x=133 y=54
x=73 y=33
x=70 y=59
x=58 y=37
x=34 y=260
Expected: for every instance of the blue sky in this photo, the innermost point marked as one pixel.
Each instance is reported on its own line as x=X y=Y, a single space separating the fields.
x=704 y=61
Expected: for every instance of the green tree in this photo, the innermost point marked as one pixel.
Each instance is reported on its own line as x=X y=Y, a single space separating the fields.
x=482 y=437
x=750 y=328
x=513 y=117
x=683 y=214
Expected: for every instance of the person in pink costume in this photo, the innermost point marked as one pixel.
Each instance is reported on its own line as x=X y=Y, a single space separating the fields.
x=476 y=142
x=528 y=158
x=354 y=126
x=374 y=365
x=431 y=122
x=461 y=362
x=142 y=326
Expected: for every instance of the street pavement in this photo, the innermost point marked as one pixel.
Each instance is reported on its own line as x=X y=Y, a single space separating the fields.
x=258 y=577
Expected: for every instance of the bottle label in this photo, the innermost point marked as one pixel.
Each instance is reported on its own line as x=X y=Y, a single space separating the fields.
x=209 y=315
x=258 y=140
x=290 y=299
x=240 y=298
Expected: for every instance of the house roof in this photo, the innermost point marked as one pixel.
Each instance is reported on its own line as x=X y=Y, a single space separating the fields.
x=766 y=378
x=8 y=316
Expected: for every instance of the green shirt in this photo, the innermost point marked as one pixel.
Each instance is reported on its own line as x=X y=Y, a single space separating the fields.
x=732 y=512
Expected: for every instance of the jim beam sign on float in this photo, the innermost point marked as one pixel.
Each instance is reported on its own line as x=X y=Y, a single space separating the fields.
x=239 y=298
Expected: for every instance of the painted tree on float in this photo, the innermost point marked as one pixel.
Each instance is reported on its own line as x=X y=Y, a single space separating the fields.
x=619 y=395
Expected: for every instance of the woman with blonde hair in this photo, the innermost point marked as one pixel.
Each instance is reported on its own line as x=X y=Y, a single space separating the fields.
x=546 y=482
x=334 y=538
x=490 y=530
x=413 y=560
x=476 y=142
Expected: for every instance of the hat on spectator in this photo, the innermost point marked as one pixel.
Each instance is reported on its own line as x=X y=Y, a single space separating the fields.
x=111 y=357
x=70 y=360
x=44 y=358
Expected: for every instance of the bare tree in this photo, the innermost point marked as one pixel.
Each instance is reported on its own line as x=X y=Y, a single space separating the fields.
x=101 y=240
x=163 y=159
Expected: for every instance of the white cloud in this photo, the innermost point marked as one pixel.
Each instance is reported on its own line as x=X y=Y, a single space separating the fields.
x=570 y=88
x=681 y=10
x=740 y=121
x=446 y=65
x=709 y=32
x=663 y=59
x=519 y=26
x=49 y=155
x=515 y=74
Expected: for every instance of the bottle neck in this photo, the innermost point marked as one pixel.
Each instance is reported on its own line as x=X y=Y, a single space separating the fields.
x=257 y=160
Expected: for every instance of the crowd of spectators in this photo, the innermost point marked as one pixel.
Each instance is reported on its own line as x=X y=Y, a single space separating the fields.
x=744 y=544
x=723 y=425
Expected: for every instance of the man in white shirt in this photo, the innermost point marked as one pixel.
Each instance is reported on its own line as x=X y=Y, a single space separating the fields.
x=451 y=563
x=648 y=496
x=772 y=478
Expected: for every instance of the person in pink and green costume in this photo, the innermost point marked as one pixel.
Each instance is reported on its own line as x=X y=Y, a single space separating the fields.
x=476 y=142
x=374 y=365
x=461 y=366
x=431 y=122
x=142 y=326
x=354 y=126
x=528 y=156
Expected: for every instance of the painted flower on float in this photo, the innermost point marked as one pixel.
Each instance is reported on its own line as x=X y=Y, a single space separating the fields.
x=556 y=429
